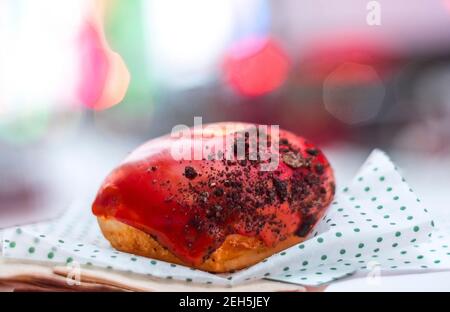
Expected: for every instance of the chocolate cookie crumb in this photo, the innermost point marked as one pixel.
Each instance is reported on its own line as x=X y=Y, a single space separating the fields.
x=190 y=173
x=312 y=151
x=293 y=159
x=305 y=226
x=218 y=192
x=280 y=188
x=319 y=168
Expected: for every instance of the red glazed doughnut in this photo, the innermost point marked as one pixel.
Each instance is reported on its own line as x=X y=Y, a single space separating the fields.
x=215 y=213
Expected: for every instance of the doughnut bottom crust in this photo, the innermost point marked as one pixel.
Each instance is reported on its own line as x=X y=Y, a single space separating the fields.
x=236 y=252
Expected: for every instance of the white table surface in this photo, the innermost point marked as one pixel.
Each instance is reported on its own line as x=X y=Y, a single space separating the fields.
x=427 y=282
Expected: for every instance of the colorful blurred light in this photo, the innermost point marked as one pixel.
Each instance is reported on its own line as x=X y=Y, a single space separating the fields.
x=446 y=4
x=353 y=93
x=104 y=77
x=185 y=38
x=37 y=65
x=94 y=66
x=251 y=18
x=25 y=127
x=127 y=36
x=324 y=56
x=256 y=66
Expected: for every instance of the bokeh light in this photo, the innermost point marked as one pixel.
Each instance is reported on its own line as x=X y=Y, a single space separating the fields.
x=323 y=56
x=24 y=127
x=94 y=66
x=104 y=77
x=446 y=4
x=185 y=38
x=256 y=66
x=37 y=65
x=127 y=36
x=353 y=93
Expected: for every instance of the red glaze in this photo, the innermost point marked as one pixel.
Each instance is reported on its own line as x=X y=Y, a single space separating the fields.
x=190 y=206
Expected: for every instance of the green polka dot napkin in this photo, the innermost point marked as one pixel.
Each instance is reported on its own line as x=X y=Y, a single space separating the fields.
x=376 y=223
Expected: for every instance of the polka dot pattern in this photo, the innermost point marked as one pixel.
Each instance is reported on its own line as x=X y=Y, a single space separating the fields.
x=376 y=220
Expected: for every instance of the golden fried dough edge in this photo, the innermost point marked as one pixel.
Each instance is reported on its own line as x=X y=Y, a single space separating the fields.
x=237 y=251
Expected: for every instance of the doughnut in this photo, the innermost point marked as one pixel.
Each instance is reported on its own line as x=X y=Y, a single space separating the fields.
x=219 y=198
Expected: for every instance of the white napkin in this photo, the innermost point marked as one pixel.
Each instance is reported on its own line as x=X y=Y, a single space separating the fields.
x=375 y=224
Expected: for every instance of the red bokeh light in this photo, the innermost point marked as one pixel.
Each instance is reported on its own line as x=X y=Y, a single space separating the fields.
x=104 y=77
x=256 y=66
x=94 y=66
x=325 y=56
x=447 y=4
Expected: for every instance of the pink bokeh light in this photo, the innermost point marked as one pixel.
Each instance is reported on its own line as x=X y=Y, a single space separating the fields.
x=256 y=66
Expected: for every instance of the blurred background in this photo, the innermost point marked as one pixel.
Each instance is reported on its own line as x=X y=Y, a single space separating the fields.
x=83 y=82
